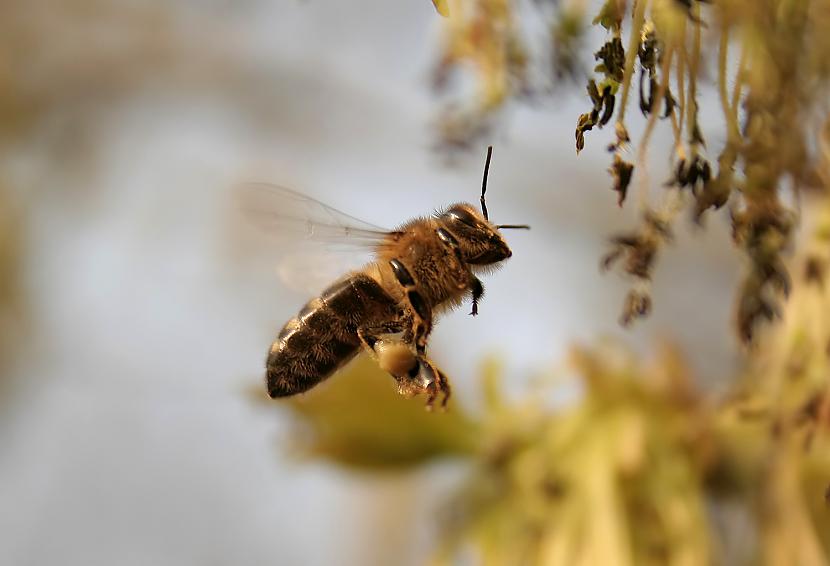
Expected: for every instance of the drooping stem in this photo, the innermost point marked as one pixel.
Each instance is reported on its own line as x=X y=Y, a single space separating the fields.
x=652 y=120
x=691 y=108
x=631 y=56
x=739 y=80
x=681 y=89
x=729 y=112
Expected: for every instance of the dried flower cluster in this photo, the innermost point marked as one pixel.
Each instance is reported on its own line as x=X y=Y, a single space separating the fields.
x=639 y=250
x=773 y=98
x=481 y=37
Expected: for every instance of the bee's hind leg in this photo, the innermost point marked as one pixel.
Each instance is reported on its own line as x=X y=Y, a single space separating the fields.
x=423 y=376
x=413 y=371
x=371 y=335
x=438 y=384
x=391 y=345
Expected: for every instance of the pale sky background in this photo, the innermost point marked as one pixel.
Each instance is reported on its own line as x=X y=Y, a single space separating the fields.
x=130 y=438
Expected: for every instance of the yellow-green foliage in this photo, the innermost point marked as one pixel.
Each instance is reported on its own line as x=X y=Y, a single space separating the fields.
x=614 y=480
x=358 y=419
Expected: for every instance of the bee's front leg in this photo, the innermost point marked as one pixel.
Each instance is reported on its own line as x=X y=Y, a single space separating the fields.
x=462 y=270
x=478 y=292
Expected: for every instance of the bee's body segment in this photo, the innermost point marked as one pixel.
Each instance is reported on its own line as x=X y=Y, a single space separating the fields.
x=323 y=336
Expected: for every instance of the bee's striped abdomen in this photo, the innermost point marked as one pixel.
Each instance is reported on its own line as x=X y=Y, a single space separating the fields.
x=323 y=336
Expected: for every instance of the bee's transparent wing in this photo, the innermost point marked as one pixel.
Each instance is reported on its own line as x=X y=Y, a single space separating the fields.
x=311 y=243
x=286 y=214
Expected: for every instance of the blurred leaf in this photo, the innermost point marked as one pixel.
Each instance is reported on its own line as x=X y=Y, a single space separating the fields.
x=442 y=6
x=358 y=419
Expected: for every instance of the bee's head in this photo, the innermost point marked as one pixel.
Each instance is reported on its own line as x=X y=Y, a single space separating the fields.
x=478 y=239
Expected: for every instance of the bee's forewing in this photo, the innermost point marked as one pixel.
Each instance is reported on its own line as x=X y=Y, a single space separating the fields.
x=286 y=214
x=312 y=243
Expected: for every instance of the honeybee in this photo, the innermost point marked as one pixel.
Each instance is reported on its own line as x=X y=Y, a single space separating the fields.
x=387 y=307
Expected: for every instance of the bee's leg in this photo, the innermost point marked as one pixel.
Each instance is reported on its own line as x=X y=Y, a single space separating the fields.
x=390 y=344
x=478 y=291
x=422 y=376
x=396 y=356
x=462 y=270
x=437 y=384
x=421 y=311
x=422 y=321
x=370 y=335
x=414 y=372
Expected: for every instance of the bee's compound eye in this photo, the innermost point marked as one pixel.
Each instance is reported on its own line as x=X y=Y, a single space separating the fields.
x=462 y=215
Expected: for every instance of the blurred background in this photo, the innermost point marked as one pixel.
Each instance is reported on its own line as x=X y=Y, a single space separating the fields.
x=135 y=322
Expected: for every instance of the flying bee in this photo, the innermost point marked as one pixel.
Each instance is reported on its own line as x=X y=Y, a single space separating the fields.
x=388 y=307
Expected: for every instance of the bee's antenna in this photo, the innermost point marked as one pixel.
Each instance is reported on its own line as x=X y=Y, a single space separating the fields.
x=484 y=181
x=484 y=190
